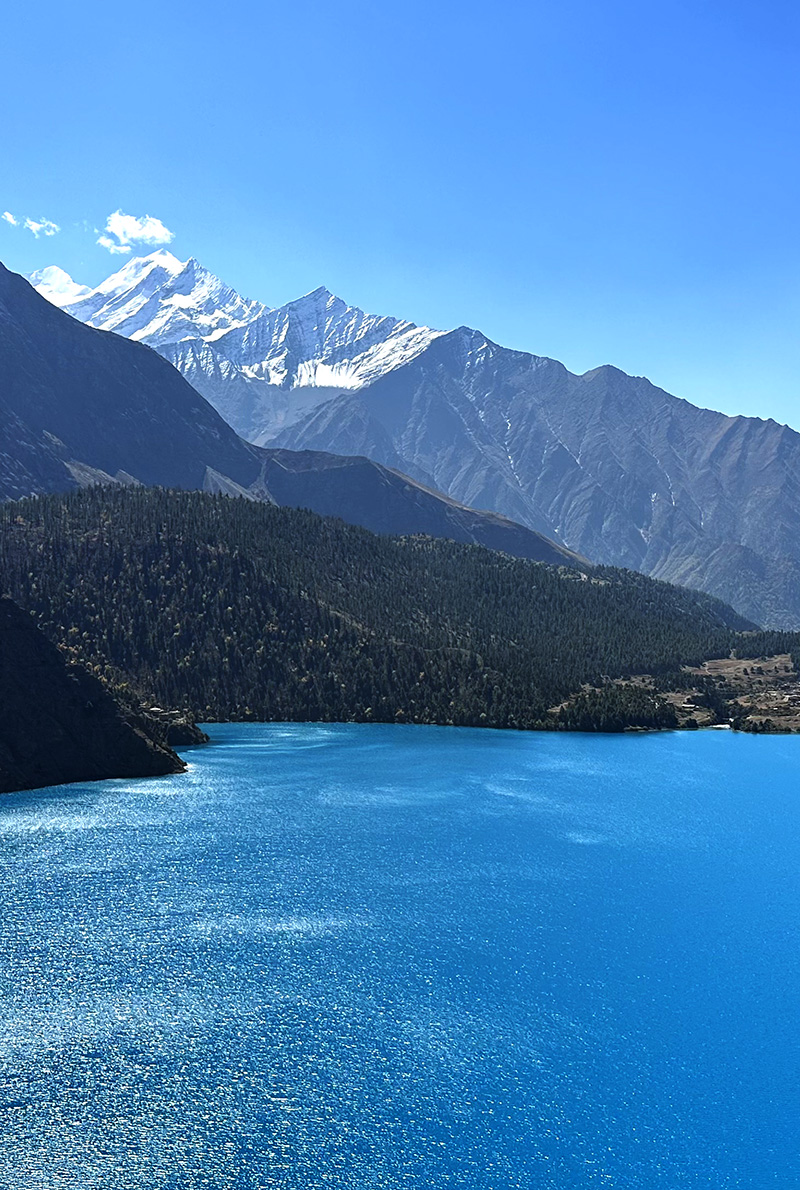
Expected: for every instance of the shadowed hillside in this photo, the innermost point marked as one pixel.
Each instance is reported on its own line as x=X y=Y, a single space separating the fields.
x=59 y=723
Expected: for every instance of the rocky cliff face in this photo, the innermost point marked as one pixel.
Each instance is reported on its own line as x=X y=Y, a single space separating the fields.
x=58 y=723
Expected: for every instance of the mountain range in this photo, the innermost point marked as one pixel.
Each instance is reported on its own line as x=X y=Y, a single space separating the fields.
x=259 y=367
x=242 y=609
x=79 y=405
x=606 y=464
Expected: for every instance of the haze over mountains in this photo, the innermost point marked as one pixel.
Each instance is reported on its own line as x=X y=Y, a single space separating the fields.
x=607 y=464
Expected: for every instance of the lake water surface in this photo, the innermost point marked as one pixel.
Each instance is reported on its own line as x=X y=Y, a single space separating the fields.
x=390 y=957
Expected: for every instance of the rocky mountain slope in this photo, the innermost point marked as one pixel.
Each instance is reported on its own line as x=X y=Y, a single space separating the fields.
x=379 y=498
x=59 y=722
x=607 y=464
x=79 y=405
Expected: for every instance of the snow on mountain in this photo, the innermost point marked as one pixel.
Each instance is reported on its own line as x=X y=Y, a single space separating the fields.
x=78 y=407
x=262 y=368
x=320 y=340
x=158 y=300
x=57 y=286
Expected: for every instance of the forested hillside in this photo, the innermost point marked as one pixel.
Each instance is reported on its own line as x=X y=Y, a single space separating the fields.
x=232 y=610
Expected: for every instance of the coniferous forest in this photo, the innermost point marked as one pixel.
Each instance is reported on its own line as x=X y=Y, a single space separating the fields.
x=232 y=609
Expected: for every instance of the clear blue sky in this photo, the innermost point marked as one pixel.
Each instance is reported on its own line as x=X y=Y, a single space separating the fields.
x=600 y=182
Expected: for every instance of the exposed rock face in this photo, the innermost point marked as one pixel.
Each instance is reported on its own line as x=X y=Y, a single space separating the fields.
x=175 y=728
x=59 y=723
x=386 y=501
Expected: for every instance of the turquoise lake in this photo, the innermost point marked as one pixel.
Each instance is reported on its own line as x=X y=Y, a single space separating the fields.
x=391 y=957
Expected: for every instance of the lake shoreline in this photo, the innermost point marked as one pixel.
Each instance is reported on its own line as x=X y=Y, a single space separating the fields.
x=206 y=727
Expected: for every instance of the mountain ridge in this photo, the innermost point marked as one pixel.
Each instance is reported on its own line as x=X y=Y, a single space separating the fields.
x=261 y=350
x=609 y=465
x=83 y=406
x=362 y=492
x=79 y=397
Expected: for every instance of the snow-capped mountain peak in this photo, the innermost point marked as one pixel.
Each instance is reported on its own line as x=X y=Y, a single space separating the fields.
x=244 y=357
x=160 y=300
x=319 y=340
x=57 y=286
x=137 y=267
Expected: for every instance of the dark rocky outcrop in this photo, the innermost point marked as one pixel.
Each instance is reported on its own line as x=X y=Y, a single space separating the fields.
x=59 y=723
x=175 y=728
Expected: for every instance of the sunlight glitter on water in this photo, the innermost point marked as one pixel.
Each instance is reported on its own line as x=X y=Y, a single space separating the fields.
x=339 y=957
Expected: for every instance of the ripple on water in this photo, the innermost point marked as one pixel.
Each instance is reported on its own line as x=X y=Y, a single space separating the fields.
x=346 y=957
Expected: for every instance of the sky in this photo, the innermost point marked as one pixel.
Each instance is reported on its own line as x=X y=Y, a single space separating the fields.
x=600 y=183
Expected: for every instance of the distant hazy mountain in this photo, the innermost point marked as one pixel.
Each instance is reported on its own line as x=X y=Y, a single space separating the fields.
x=605 y=463
x=81 y=406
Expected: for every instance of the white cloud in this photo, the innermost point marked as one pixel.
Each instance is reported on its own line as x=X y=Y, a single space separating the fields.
x=112 y=245
x=122 y=232
x=41 y=227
